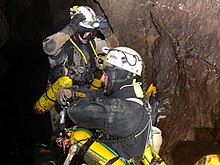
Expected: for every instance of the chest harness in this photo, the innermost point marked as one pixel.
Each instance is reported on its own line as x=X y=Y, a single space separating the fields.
x=81 y=52
x=80 y=69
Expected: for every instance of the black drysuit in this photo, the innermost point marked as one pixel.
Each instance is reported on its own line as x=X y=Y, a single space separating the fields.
x=124 y=123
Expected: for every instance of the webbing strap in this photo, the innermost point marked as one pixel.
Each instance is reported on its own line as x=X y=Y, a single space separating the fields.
x=111 y=161
x=81 y=52
x=85 y=147
x=156 y=161
x=82 y=151
x=90 y=42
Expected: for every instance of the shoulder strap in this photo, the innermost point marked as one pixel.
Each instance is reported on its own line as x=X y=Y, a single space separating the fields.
x=69 y=50
x=82 y=151
x=111 y=161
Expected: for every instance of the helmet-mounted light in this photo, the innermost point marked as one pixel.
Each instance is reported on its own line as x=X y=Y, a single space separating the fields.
x=124 y=58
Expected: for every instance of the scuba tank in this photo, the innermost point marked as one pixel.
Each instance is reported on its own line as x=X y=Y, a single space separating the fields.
x=48 y=99
x=90 y=150
x=83 y=143
x=212 y=159
x=151 y=157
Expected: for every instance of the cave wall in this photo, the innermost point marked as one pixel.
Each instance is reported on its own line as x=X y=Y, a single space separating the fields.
x=188 y=74
x=178 y=40
x=180 y=43
x=4 y=32
x=29 y=21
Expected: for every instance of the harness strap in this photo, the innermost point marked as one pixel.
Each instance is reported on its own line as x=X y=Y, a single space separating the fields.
x=82 y=151
x=133 y=160
x=135 y=100
x=81 y=52
x=156 y=161
x=111 y=161
x=69 y=51
x=90 y=42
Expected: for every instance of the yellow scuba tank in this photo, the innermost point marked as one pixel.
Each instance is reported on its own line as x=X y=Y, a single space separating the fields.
x=48 y=99
x=94 y=152
x=151 y=157
x=213 y=159
x=99 y=153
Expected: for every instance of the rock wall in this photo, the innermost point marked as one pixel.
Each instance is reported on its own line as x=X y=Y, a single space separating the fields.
x=29 y=21
x=4 y=32
x=180 y=43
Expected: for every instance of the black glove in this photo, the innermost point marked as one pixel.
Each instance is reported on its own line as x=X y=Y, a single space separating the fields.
x=72 y=27
x=74 y=22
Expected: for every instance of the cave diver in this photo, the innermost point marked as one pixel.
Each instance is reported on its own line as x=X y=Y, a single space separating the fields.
x=118 y=110
x=73 y=50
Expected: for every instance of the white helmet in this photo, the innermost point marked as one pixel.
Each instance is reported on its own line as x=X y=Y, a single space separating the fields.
x=124 y=58
x=91 y=21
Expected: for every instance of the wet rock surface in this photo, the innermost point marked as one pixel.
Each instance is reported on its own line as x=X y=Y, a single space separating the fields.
x=180 y=44
x=3 y=24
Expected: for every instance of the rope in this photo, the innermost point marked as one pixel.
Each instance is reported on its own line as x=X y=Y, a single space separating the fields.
x=147 y=106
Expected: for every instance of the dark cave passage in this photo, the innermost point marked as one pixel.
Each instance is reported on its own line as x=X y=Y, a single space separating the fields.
x=23 y=82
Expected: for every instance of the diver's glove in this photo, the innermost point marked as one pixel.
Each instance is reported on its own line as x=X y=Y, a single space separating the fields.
x=73 y=25
x=64 y=96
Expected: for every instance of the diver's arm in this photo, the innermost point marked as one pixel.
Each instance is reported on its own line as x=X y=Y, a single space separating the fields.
x=52 y=45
